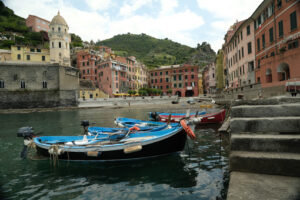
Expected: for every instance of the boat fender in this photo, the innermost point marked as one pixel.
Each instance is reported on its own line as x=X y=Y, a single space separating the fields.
x=133 y=149
x=93 y=153
x=134 y=128
x=187 y=129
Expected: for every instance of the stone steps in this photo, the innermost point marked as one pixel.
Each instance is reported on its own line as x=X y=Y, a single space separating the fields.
x=286 y=164
x=265 y=142
x=253 y=186
x=266 y=124
x=266 y=110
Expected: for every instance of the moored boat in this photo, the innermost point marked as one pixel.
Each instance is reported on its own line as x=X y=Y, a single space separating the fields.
x=175 y=117
x=209 y=118
x=109 y=145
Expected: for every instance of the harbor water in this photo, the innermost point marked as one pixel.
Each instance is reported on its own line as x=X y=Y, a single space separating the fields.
x=199 y=172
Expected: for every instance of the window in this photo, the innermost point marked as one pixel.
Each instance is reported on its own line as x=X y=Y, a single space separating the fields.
x=117 y=85
x=242 y=52
x=28 y=57
x=88 y=63
x=167 y=79
x=279 y=3
x=271 y=37
x=263 y=41
x=241 y=35
x=31 y=50
x=249 y=48
x=19 y=56
x=258 y=44
x=280 y=29
x=151 y=80
x=185 y=70
x=151 y=74
x=258 y=63
x=166 y=72
x=179 y=85
x=23 y=84
x=179 y=77
x=175 y=85
x=293 y=20
x=83 y=71
x=52 y=29
x=58 y=29
x=293 y=45
x=88 y=71
x=248 y=30
x=167 y=86
x=155 y=73
x=160 y=73
x=174 y=78
x=160 y=80
x=2 y=84
x=38 y=50
x=43 y=58
x=192 y=70
x=44 y=84
x=52 y=44
x=59 y=44
x=83 y=63
x=192 y=76
x=18 y=47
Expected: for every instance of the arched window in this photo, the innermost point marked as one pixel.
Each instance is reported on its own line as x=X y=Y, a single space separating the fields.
x=58 y=29
x=59 y=44
x=269 y=75
x=283 y=72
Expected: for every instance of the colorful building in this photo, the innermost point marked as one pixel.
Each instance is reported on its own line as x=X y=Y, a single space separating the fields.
x=89 y=91
x=209 y=79
x=277 y=33
x=37 y=24
x=239 y=54
x=29 y=54
x=182 y=80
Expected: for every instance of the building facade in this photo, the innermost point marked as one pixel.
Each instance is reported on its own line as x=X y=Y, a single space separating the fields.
x=59 y=41
x=37 y=24
x=5 y=55
x=209 y=79
x=240 y=55
x=277 y=35
x=29 y=54
x=181 y=80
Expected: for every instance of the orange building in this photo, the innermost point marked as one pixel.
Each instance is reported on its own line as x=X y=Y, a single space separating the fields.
x=37 y=24
x=277 y=33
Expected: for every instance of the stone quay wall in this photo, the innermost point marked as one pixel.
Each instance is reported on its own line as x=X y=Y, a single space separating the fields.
x=128 y=101
x=37 y=85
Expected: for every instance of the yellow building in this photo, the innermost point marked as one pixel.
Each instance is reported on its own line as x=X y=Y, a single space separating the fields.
x=29 y=54
x=89 y=91
x=200 y=85
x=5 y=55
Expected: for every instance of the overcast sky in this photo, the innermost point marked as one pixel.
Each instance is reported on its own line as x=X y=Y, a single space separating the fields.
x=185 y=21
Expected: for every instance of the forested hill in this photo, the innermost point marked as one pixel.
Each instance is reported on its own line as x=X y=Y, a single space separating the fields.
x=156 y=52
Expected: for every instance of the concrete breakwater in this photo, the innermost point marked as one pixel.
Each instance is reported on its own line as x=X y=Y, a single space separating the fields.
x=128 y=101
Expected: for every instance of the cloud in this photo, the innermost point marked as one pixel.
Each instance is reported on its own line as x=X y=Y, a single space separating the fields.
x=167 y=6
x=98 y=4
x=94 y=25
x=129 y=7
x=230 y=9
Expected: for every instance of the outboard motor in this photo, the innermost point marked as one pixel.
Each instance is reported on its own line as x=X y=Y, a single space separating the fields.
x=85 y=124
x=154 y=116
x=27 y=133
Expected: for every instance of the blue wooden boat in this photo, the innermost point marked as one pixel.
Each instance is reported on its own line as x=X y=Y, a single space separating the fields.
x=109 y=144
x=129 y=122
x=175 y=117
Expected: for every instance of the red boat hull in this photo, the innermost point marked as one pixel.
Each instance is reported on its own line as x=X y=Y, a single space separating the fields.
x=209 y=118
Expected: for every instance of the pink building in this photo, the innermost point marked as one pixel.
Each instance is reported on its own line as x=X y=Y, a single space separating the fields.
x=240 y=54
x=209 y=79
x=37 y=24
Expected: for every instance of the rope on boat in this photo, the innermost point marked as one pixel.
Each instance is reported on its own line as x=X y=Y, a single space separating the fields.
x=54 y=152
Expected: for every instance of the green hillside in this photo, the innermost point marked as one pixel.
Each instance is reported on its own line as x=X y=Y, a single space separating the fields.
x=156 y=52
x=13 y=30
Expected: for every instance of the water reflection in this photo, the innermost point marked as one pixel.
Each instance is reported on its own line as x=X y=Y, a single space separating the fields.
x=200 y=172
